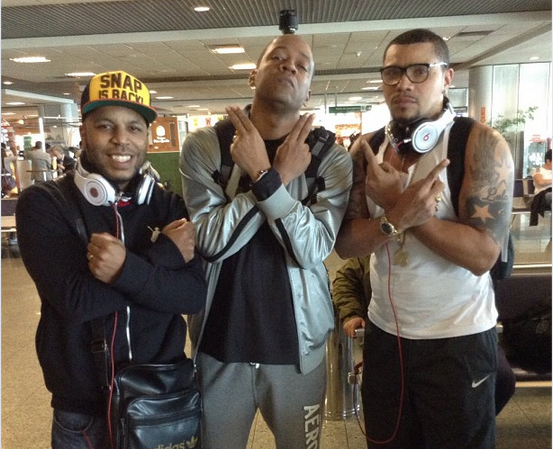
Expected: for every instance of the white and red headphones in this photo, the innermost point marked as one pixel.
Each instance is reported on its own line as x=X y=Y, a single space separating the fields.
x=424 y=135
x=100 y=192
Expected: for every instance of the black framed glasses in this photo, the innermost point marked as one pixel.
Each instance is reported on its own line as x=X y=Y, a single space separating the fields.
x=416 y=73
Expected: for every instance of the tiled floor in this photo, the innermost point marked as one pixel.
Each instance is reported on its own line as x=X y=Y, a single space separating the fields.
x=26 y=413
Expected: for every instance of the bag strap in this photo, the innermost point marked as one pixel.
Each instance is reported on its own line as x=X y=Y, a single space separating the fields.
x=225 y=132
x=61 y=190
x=320 y=140
x=458 y=137
x=376 y=140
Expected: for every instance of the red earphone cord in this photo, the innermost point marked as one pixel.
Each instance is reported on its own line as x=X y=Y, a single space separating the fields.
x=402 y=393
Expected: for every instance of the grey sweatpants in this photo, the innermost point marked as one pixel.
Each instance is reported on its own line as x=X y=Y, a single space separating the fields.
x=291 y=403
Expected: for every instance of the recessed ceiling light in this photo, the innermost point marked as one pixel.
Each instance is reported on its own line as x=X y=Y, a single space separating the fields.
x=193 y=106
x=167 y=97
x=7 y=82
x=30 y=59
x=245 y=66
x=534 y=58
x=153 y=91
x=8 y=113
x=374 y=81
x=369 y=88
x=355 y=98
x=66 y=93
x=80 y=74
x=201 y=8
x=15 y=103
x=227 y=49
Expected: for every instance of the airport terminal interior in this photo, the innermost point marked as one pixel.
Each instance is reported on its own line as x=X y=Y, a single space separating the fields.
x=195 y=56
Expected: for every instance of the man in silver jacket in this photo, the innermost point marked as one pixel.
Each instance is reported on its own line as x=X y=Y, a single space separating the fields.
x=260 y=343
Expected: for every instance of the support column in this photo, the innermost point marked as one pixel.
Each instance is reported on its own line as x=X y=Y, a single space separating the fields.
x=480 y=93
x=61 y=123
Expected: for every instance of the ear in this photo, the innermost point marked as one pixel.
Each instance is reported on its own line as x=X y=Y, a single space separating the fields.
x=448 y=79
x=308 y=97
x=251 y=79
x=82 y=132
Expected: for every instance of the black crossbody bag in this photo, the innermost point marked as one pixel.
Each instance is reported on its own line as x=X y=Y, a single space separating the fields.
x=150 y=406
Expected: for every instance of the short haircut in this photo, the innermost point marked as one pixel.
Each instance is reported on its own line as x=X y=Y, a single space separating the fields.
x=548 y=155
x=266 y=49
x=421 y=36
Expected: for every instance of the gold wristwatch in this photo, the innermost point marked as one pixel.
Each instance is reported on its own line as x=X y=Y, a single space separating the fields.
x=388 y=228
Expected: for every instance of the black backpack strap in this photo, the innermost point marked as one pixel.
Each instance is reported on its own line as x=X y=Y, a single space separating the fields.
x=225 y=132
x=458 y=137
x=376 y=140
x=320 y=140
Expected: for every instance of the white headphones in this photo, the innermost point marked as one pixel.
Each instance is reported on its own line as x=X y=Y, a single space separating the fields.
x=100 y=192
x=426 y=134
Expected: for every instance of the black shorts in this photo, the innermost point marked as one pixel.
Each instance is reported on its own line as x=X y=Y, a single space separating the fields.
x=448 y=397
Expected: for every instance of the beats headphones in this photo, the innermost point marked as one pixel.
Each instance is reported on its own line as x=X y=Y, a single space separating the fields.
x=425 y=134
x=100 y=192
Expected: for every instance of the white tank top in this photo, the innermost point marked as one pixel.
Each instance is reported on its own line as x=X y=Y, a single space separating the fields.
x=432 y=297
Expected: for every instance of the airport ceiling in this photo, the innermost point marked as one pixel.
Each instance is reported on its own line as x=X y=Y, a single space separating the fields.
x=168 y=45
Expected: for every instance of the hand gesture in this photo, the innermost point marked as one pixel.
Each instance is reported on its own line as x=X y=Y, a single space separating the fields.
x=294 y=155
x=106 y=255
x=383 y=183
x=183 y=234
x=248 y=149
x=418 y=202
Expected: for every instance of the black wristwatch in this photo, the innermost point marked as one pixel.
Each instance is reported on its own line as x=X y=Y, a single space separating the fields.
x=388 y=228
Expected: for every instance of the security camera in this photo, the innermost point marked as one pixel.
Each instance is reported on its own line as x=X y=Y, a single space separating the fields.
x=288 y=23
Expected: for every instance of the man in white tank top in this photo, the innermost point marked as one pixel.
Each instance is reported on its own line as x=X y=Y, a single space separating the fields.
x=430 y=348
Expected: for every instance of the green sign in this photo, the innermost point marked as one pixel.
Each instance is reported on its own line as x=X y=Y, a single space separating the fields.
x=352 y=108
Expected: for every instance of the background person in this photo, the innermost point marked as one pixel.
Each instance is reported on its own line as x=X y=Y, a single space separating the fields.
x=432 y=314
x=64 y=161
x=542 y=190
x=261 y=342
x=106 y=260
x=42 y=168
x=8 y=180
x=542 y=175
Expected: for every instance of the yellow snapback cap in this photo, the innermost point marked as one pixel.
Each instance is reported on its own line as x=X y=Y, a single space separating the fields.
x=117 y=89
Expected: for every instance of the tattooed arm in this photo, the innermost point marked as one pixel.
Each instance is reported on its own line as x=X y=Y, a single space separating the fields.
x=485 y=204
x=359 y=234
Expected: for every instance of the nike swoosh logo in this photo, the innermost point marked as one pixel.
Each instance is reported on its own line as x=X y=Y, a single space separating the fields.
x=475 y=384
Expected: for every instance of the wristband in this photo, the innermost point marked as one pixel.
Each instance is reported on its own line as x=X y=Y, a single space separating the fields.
x=260 y=175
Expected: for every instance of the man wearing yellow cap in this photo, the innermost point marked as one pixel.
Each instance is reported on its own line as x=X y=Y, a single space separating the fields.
x=106 y=243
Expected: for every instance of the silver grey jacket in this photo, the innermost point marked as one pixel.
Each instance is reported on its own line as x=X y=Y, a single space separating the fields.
x=225 y=223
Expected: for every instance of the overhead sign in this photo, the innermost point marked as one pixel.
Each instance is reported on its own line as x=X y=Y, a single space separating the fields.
x=352 y=108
